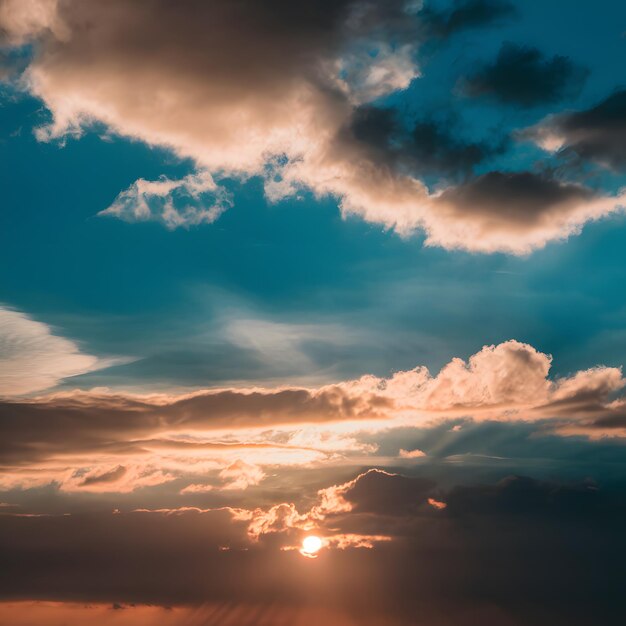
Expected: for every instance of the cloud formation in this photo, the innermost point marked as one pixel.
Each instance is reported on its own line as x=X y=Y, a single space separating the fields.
x=283 y=107
x=516 y=212
x=597 y=134
x=521 y=75
x=195 y=199
x=430 y=553
x=33 y=358
x=226 y=440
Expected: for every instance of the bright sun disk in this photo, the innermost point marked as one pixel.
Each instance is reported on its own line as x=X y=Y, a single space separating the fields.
x=311 y=545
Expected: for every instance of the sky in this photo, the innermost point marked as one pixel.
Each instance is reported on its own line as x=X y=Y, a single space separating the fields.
x=344 y=269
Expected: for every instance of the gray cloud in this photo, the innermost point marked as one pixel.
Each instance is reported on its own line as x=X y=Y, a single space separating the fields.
x=428 y=146
x=523 y=76
x=448 y=565
x=597 y=134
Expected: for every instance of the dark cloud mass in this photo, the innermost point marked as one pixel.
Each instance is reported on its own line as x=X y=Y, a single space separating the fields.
x=428 y=146
x=522 y=75
x=521 y=551
x=521 y=197
x=382 y=493
x=83 y=423
x=597 y=134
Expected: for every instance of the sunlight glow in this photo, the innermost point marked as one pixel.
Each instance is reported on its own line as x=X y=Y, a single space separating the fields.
x=311 y=545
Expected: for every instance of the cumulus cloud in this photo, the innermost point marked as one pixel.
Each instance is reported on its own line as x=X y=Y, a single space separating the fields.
x=33 y=358
x=192 y=200
x=431 y=146
x=20 y=20
x=281 y=107
x=516 y=212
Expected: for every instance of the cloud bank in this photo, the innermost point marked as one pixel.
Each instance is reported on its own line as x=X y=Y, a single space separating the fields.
x=229 y=439
x=389 y=554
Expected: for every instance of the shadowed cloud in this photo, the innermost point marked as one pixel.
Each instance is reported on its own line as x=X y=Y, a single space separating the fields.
x=521 y=75
x=597 y=134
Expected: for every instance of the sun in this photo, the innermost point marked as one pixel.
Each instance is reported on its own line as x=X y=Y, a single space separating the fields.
x=311 y=545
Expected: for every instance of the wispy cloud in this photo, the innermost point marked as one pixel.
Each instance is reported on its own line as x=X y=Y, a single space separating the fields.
x=34 y=358
x=192 y=200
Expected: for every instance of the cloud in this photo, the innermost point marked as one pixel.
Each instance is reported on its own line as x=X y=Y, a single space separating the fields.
x=104 y=478
x=282 y=108
x=437 y=504
x=597 y=134
x=516 y=212
x=465 y=14
x=411 y=454
x=109 y=476
x=32 y=358
x=523 y=76
x=20 y=20
x=394 y=553
x=241 y=475
x=193 y=200
x=225 y=439
x=430 y=146
x=384 y=493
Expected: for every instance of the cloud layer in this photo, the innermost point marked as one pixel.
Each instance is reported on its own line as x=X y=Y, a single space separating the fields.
x=389 y=554
x=230 y=439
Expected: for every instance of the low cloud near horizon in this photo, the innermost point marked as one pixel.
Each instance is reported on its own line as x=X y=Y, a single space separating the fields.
x=134 y=441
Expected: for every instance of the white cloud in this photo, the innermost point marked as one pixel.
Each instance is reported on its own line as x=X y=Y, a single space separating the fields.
x=32 y=358
x=192 y=200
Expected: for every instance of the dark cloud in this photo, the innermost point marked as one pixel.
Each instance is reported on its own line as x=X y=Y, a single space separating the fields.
x=383 y=493
x=105 y=477
x=465 y=14
x=31 y=431
x=516 y=552
x=597 y=134
x=375 y=126
x=435 y=146
x=524 y=496
x=428 y=146
x=522 y=75
x=517 y=197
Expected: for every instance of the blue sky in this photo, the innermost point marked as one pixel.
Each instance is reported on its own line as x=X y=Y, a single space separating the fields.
x=117 y=287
